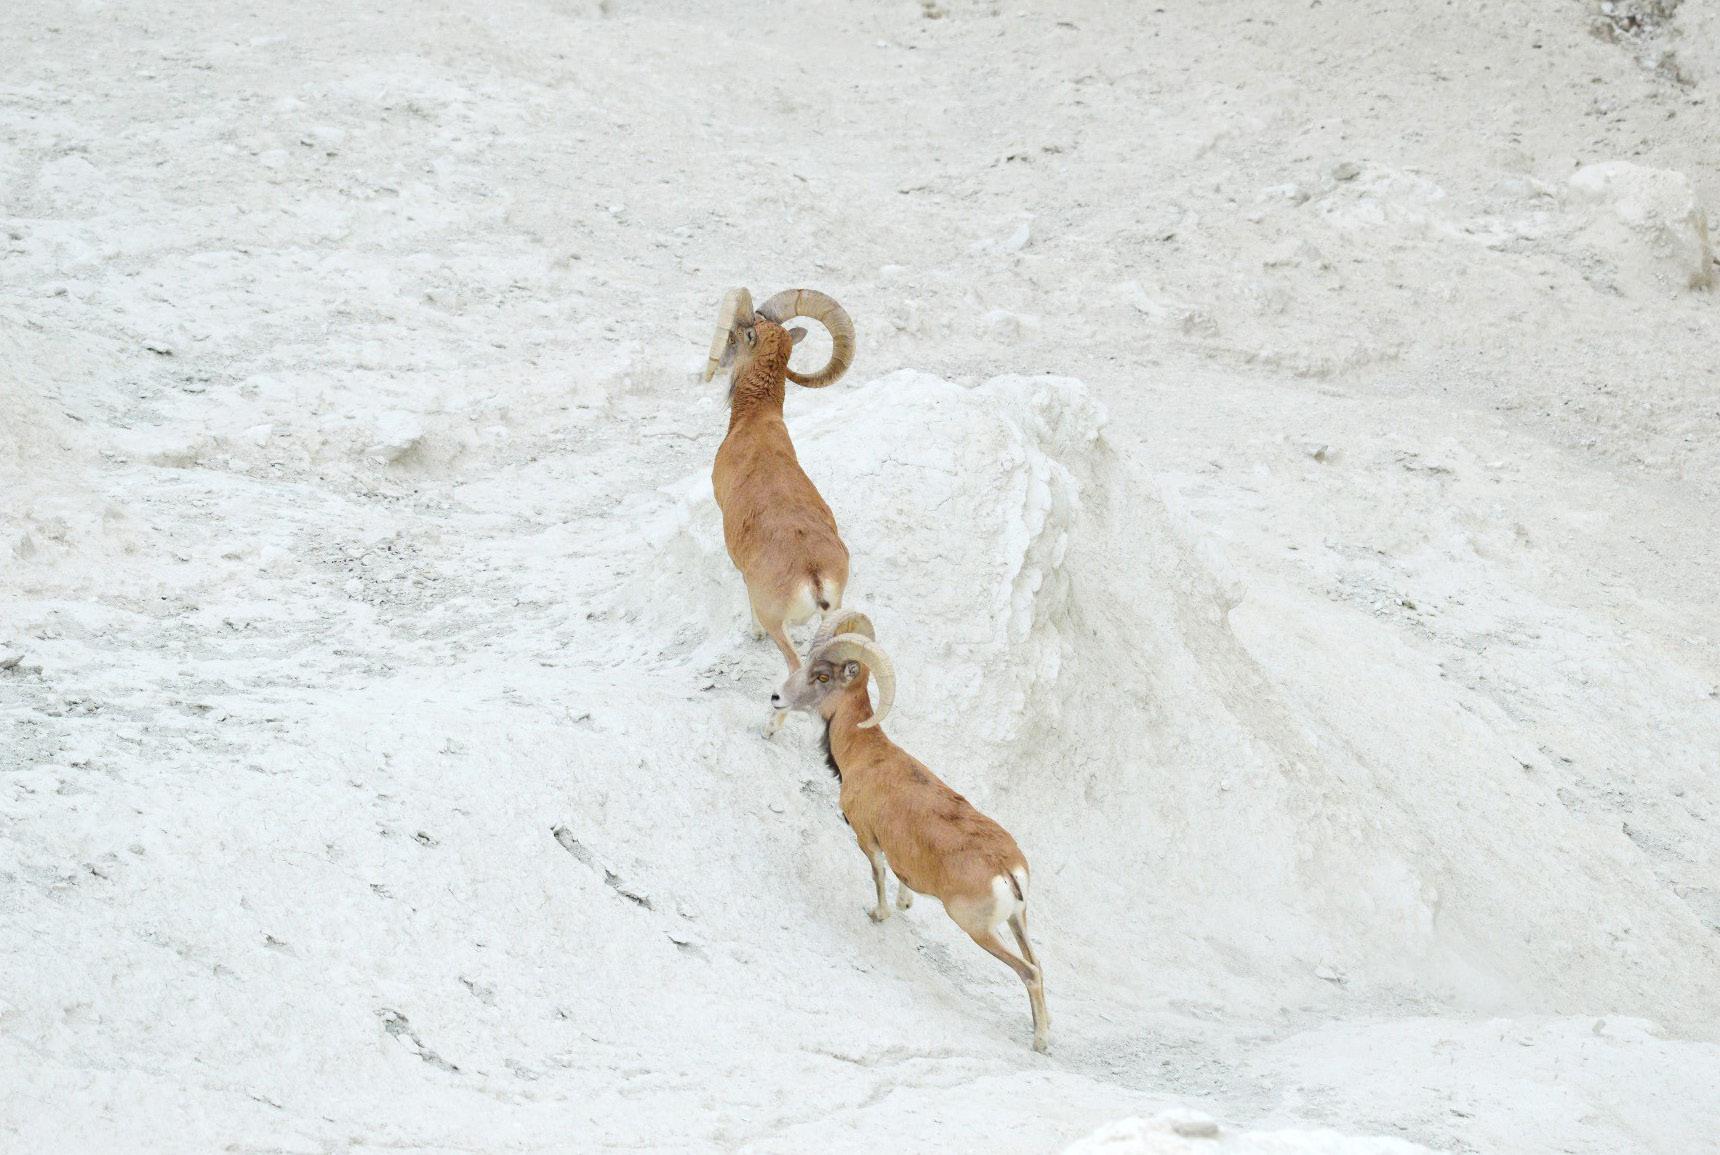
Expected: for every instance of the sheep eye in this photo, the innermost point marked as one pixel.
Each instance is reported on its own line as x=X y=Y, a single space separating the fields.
x=824 y=677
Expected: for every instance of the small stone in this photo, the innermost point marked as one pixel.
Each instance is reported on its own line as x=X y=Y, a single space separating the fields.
x=397 y=435
x=1346 y=170
x=9 y=659
x=1003 y=324
x=1188 y=1123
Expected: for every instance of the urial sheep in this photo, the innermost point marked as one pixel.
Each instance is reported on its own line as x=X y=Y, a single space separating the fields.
x=903 y=816
x=780 y=533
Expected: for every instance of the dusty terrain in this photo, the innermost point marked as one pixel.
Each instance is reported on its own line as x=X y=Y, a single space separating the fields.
x=1283 y=458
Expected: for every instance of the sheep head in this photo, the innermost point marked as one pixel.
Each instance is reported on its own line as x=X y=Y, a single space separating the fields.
x=845 y=647
x=742 y=332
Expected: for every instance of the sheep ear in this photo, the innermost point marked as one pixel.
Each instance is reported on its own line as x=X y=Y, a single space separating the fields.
x=796 y=335
x=850 y=671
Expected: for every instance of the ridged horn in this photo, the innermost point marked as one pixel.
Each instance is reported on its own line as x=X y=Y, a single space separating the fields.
x=810 y=303
x=841 y=622
x=736 y=303
x=862 y=649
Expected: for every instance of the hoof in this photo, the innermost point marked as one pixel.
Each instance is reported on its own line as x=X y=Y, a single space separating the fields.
x=1042 y=1046
x=773 y=724
x=878 y=913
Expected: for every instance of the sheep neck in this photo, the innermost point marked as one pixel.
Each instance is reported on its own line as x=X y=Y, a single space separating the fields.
x=845 y=742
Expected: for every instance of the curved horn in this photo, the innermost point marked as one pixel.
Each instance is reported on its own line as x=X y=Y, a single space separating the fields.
x=841 y=622
x=736 y=303
x=811 y=303
x=860 y=648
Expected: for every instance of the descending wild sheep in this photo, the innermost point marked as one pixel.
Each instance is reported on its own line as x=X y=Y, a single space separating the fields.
x=902 y=814
x=780 y=533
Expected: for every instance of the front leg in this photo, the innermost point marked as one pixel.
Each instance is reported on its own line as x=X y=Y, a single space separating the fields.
x=882 y=911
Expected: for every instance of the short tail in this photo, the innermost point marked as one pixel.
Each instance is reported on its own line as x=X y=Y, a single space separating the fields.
x=1018 y=883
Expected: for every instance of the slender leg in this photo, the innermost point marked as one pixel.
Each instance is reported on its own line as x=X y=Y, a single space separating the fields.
x=779 y=635
x=1035 y=992
x=882 y=911
x=1018 y=926
x=904 y=896
x=1029 y=975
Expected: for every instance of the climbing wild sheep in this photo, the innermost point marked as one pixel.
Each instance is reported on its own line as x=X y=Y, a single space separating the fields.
x=780 y=533
x=903 y=816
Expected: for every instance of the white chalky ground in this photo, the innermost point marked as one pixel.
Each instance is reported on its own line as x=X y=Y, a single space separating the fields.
x=1282 y=460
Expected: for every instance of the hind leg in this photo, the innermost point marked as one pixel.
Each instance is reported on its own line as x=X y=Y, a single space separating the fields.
x=1035 y=989
x=773 y=626
x=979 y=917
x=769 y=619
x=1030 y=978
x=1018 y=927
x=770 y=614
x=780 y=637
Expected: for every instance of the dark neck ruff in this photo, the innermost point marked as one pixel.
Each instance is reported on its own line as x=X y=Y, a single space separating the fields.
x=829 y=758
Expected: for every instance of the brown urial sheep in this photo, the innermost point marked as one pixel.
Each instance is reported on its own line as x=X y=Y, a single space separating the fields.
x=902 y=814
x=779 y=532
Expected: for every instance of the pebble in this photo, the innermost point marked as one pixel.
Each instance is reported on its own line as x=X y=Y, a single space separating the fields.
x=1346 y=170
x=397 y=434
x=1017 y=240
x=1003 y=323
x=1188 y=1123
